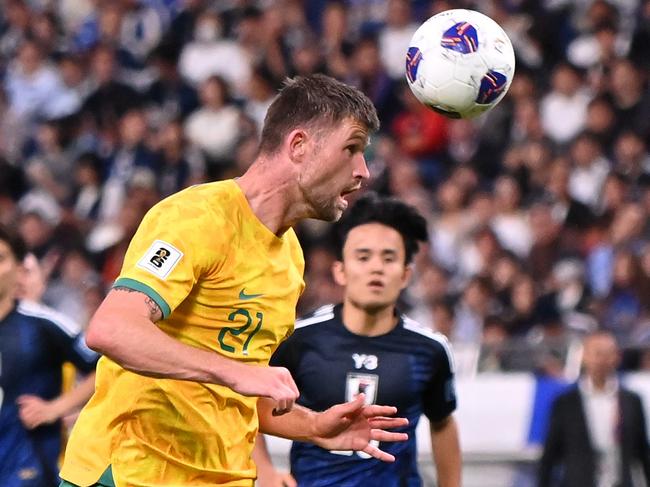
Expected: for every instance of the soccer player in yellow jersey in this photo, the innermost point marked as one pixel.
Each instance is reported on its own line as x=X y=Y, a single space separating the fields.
x=207 y=292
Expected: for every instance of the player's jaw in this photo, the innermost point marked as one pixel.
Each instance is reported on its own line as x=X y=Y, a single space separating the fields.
x=9 y=273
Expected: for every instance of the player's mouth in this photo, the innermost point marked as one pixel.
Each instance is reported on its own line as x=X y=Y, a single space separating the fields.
x=376 y=284
x=342 y=196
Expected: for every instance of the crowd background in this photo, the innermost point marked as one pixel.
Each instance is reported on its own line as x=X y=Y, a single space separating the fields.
x=538 y=211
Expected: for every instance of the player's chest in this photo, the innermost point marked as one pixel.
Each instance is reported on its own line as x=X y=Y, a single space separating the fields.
x=250 y=307
x=330 y=375
x=23 y=352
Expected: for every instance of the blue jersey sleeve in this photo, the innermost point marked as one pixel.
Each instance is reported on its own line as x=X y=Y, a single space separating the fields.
x=439 y=399
x=64 y=336
x=287 y=354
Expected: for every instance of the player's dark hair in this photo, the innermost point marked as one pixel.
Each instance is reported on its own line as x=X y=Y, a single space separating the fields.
x=316 y=100
x=15 y=243
x=389 y=211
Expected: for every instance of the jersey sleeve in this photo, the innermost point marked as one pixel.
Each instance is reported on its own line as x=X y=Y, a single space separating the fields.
x=70 y=346
x=287 y=354
x=164 y=258
x=440 y=396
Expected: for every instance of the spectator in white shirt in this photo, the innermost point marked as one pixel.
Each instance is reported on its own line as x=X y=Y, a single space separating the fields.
x=590 y=169
x=564 y=109
x=214 y=127
x=395 y=37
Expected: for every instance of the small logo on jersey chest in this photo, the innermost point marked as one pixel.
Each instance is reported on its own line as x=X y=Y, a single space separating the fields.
x=160 y=259
x=363 y=361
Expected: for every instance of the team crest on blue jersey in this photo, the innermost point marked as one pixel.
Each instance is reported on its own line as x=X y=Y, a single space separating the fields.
x=492 y=85
x=361 y=383
x=413 y=58
x=461 y=37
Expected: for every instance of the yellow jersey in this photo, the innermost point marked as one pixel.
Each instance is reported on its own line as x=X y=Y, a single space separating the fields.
x=225 y=283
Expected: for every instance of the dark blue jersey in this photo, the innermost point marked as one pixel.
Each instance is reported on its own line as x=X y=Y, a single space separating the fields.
x=35 y=341
x=410 y=367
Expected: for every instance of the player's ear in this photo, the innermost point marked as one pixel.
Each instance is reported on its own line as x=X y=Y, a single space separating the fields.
x=338 y=273
x=297 y=144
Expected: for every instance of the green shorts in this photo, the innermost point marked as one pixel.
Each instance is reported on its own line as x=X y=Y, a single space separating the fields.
x=106 y=480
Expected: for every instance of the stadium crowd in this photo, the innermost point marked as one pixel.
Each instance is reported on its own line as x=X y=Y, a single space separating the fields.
x=539 y=211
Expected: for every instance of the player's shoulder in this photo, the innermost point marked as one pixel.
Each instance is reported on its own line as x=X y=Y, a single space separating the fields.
x=48 y=317
x=427 y=336
x=319 y=316
x=199 y=212
x=207 y=195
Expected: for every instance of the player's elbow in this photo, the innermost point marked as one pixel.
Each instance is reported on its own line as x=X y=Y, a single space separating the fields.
x=99 y=335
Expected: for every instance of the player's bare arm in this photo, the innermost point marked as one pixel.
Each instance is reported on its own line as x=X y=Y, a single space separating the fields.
x=124 y=329
x=348 y=426
x=35 y=411
x=267 y=474
x=446 y=452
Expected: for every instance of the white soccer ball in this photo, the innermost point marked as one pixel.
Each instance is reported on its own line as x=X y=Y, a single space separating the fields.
x=460 y=63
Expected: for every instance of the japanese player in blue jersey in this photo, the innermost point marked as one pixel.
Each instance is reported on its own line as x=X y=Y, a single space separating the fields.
x=35 y=341
x=365 y=346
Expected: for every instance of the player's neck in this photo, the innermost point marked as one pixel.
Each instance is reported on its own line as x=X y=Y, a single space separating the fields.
x=7 y=303
x=365 y=323
x=269 y=192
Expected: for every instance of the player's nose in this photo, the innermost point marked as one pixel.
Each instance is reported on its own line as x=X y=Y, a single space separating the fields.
x=360 y=170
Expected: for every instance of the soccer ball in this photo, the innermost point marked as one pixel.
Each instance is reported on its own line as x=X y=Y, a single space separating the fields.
x=460 y=63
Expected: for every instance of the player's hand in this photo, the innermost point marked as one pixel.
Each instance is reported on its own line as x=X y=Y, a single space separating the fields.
x=34 y=411
x=353 y=425
x=275 y=478
x=273 y=382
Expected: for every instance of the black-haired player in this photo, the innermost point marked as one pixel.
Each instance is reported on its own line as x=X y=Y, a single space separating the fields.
x=365 y=345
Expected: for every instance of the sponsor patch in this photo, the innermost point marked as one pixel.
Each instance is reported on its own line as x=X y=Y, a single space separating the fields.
x=160 y=259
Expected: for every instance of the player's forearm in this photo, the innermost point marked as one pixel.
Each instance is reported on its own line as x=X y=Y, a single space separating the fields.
x=139 y=345
x=75 y=398
x=446 y=452
x=298 y=424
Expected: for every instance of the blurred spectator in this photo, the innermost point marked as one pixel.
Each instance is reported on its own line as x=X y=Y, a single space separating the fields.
x=624 y=304
x=571 y=295
x=548 y=243
x=110 y=99
x=86 y=198
x=261 y=92
x=510 y=223
x=631 y=155
x=17 y=18
x=210 y=54
x=169 y=96
x=421 y=134
x=395 y=36
x=478 y=253
x=630 y=98
x=473 y=307
x=129 y=155
x=180 y=166
x=589 y=171
x=564 y=108
x=369 y=75
x=33 y=85
x=215 y=126
x=601 y=121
